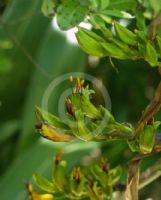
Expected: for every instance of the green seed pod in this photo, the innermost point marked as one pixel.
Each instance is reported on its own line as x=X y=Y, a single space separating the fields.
x=103 y=4
x=125 y=34
x=147 y=139
x=141 y=36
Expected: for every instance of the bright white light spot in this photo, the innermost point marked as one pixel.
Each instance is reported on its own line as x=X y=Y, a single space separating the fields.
x=70 y=34
x=124 y=22
x=55 y=25
x=86 y=25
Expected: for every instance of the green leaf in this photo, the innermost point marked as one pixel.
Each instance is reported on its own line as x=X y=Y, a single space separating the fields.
x=90 y=43
x=104 y=4
x=114 y=51
x=44 y=183
x=91 y=34
x=141 y=36
x=70 y=13
x=125 y=34
x=94 y=4
x=124 y=47
x=151 y=55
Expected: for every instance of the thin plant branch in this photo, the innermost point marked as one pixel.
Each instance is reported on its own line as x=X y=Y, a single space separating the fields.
x=155 y=24
x=150 y=175
x=153 y=107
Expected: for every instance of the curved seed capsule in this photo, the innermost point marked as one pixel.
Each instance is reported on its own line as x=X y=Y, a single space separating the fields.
x=55 y=135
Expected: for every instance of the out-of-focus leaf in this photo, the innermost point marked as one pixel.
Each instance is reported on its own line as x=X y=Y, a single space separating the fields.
x=16 y=27
x=156 y=5
x=70 y=13
x=22 y=169
x=120 y=4
x=57 y=60
x=48 y=7
x=6 y=64
x=117 y=13
x=9 y=128
x=104 y=4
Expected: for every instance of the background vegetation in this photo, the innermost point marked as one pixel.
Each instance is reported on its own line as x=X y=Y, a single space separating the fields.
x=32 y=54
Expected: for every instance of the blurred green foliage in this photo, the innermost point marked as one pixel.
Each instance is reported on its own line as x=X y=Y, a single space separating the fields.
x=32 y=54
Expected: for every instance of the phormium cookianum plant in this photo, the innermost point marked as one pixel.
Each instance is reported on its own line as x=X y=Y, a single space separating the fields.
x=107 y=38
